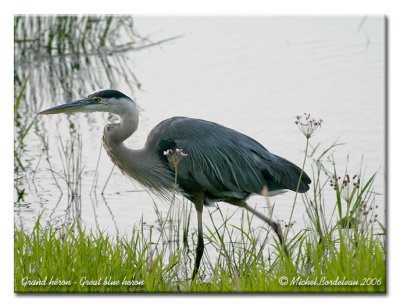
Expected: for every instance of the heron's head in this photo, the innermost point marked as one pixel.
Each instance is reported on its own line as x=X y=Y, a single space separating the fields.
x=102 y=101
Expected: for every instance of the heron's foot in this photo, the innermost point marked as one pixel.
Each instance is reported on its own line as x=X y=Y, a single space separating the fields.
x=285 y=249
x=199 y=255
x=278 y=230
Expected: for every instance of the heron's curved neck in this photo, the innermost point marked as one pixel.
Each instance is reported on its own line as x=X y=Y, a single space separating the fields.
x=115 y=134
x=118 y=133
x=140 y=164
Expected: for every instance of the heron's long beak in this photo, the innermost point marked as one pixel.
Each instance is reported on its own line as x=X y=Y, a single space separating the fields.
x=73 y=106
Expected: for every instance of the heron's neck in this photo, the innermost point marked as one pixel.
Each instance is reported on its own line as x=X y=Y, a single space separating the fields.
x=117 y=133
x=142 y=165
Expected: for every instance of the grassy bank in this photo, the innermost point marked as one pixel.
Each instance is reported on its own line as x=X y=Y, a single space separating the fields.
x=79 y=262
x=72 y=260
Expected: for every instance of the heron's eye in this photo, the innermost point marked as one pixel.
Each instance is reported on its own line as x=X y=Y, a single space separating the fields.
x=97 y=99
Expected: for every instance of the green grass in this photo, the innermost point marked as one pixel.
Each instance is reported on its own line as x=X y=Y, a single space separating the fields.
x=81 y=258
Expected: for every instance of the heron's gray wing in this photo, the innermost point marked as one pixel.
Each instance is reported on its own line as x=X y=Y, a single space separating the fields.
x=220 y=161
x=222 y=170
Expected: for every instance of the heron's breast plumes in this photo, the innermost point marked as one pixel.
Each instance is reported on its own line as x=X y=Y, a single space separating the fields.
x=140 y=165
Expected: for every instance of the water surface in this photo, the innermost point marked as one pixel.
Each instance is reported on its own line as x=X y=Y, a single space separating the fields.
x=252 y=74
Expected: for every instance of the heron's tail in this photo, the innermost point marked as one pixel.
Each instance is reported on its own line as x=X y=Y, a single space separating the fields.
x=283 y=174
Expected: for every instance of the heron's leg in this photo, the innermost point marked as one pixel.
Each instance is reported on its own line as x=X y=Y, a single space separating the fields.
x=274 y=225
x=198 y=203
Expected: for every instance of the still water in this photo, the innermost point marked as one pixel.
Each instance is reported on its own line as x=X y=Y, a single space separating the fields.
x=252 y=74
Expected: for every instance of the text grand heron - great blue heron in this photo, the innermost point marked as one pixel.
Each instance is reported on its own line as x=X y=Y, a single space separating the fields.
x=221 y=164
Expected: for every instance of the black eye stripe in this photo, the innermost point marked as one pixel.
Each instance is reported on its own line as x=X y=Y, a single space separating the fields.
x=93 y=100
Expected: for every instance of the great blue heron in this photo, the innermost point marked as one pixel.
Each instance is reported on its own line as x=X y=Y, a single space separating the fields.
x=221 y=164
